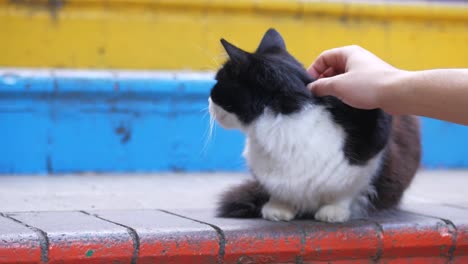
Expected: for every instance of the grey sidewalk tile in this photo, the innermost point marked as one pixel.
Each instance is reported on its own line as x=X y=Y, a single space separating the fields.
x=75 y=236
x=166 y=238
x=438 y=187
x=175 y=191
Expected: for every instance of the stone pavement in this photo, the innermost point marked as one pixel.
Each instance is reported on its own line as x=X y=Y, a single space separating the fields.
x=168 y=218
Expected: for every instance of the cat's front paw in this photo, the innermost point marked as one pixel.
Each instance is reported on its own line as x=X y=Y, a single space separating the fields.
x=333 y=213
x=278 y=211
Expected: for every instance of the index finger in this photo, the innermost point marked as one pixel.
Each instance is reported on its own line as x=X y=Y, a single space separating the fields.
x=332 y=58
x=318 y=67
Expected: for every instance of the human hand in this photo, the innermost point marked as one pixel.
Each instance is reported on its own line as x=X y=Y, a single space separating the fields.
x=354 y=75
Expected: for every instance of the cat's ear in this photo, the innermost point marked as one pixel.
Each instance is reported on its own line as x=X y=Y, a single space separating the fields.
x=235 y=54
x=271 y=39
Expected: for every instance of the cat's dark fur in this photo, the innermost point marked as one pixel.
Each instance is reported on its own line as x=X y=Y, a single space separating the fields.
x=271 y=78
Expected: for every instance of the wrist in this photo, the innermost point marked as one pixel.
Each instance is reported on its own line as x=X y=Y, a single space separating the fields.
x=394 y=91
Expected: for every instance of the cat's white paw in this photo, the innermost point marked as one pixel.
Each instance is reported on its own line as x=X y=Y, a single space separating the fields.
x=333 y=213
x=277 y=211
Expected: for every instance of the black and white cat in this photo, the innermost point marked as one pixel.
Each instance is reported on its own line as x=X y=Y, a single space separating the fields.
x=309 y=156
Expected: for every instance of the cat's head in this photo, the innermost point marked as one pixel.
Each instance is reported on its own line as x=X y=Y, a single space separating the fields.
x=249 y=83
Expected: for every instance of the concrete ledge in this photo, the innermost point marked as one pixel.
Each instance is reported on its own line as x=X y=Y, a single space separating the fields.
x=181 y=236
x=113 y=218
x=63 y=121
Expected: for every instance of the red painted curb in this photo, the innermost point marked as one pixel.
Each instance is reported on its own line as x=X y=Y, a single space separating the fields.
x=151 y=236
x=101 y=250
x=166 y=238
x=461 y=251
x=458 y=217
x=254 y=240
x=354 y=242
x=193 y=250
x=74 y=237
x=263 y=245
x=416 y=238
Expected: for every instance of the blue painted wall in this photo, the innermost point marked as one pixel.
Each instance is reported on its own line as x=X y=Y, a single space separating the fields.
x=66 y=121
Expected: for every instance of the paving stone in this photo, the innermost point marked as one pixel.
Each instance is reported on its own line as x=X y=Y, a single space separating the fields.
x=166 y=238
x=414 y=238
x=18 y=244
x=253 y=240
x=74 y=237
x=458 y=216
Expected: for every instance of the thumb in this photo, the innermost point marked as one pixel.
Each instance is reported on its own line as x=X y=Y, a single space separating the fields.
x=323 y=87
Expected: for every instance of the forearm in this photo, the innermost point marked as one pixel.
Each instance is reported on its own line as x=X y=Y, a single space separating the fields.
x=441 y=94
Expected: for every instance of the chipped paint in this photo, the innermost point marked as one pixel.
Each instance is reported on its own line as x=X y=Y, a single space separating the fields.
x=124 y=132
x=89 y=253
x=52 y=6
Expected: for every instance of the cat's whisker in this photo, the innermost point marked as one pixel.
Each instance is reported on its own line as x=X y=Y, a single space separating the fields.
x=205 y=111
x=212 y=127
x=211 y=132
x=205 y=133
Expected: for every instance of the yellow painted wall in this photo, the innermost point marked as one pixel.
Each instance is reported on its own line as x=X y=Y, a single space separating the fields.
x=183 y=34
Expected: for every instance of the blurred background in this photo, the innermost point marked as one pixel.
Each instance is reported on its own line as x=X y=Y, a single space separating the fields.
x=122 y=86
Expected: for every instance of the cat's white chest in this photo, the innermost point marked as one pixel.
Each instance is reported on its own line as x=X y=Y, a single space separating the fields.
x=299 y=159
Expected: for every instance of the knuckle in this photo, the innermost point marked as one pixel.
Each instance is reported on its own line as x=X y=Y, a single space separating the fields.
x=325 y=53
x=355 y=47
